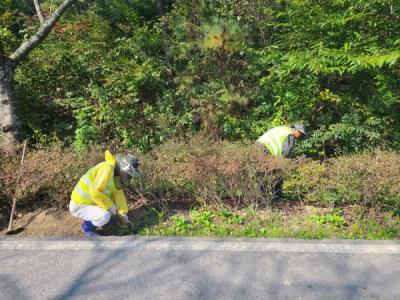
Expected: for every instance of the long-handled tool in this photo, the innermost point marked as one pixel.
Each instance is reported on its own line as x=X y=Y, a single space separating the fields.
x=18 y=230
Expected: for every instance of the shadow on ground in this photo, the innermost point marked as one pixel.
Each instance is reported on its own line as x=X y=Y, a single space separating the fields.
x=141 y=218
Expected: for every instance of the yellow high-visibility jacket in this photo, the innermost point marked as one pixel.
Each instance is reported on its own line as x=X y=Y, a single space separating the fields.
x=274 y=139
x=97 y=187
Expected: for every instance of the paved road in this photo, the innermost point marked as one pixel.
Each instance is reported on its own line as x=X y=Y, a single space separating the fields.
x=192 y=268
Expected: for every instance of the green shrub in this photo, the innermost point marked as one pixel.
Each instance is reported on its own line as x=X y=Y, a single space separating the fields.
x=45 y=179
x=210 y=172
x=371 y=179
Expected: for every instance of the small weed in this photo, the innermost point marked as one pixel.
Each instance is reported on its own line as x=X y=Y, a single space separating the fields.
x=203 y=219
x=230 y=217
x=334 y=219
x=153 y=213
x=249 y=231
x=250 y=211
x=181 y=225
x=263 y=231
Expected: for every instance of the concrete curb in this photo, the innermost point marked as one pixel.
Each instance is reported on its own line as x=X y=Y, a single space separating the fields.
x=204 y=244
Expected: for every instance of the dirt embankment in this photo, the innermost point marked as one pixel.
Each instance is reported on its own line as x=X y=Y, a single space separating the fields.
x=51 y=222
x=45 y=223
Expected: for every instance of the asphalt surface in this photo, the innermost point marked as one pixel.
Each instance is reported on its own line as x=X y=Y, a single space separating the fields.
x=193 y=268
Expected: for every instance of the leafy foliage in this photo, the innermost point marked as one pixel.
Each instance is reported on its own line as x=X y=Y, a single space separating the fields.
x=141 y=72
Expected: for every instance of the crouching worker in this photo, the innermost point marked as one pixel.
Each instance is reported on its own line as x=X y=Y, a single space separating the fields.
x=98 y=194
x=279 y=142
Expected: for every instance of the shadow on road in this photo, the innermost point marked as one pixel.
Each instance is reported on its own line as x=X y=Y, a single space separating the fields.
x=225 y=274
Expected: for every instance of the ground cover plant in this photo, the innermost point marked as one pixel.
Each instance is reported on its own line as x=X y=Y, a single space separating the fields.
x=279 y=222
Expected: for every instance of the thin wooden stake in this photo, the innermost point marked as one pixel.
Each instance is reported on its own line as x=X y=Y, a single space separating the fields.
x=15 y=193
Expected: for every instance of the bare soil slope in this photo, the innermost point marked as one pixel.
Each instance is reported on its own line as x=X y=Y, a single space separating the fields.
x=46 y=223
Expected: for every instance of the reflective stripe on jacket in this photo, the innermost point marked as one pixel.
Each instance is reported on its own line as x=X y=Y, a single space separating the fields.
x=97 y=187
x=274 y=138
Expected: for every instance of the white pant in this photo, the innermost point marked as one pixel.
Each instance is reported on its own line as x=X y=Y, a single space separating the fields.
x=97 y=215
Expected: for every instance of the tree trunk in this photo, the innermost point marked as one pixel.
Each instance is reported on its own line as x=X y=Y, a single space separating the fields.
x=9 y=126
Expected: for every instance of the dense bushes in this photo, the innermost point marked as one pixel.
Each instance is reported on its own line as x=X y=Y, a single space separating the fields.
x=119 y=71
x=211 y=172
x=45 y=179
x=222 y=172
x=366 y=179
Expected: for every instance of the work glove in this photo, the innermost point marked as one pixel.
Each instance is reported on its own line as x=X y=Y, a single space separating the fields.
x=125 y=217
x=113 y=210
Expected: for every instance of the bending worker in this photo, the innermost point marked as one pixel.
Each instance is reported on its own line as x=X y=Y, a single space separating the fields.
x=98 y=194
x=279 y=142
